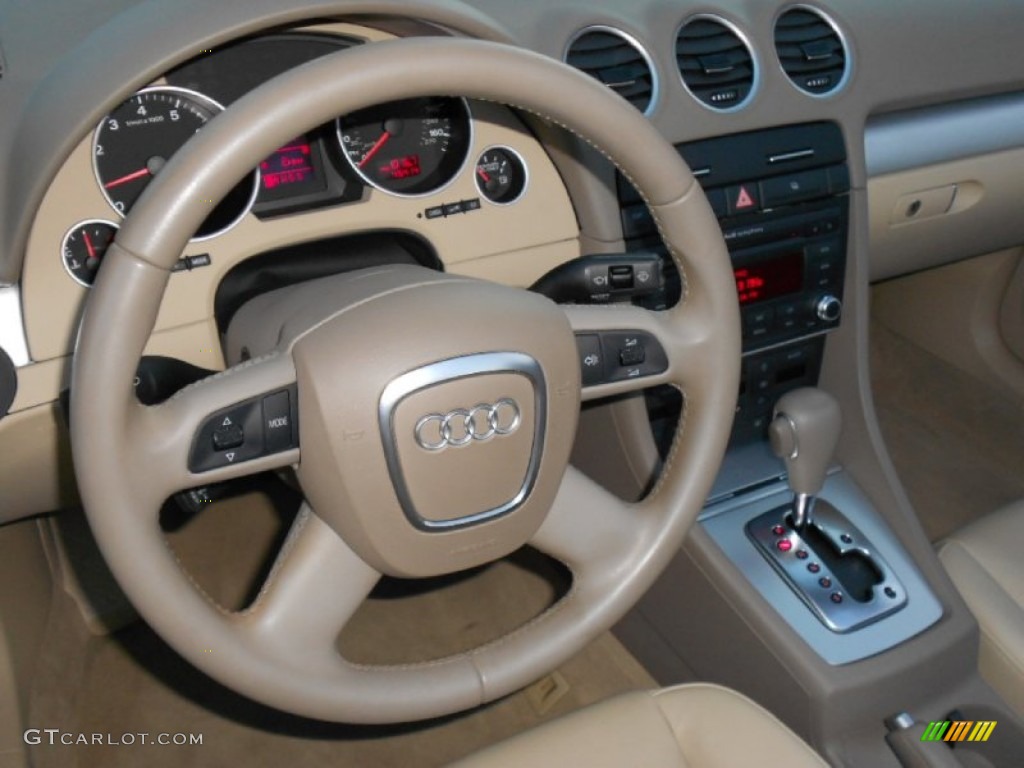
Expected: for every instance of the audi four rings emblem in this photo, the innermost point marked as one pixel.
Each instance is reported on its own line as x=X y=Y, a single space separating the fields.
x=435 y=431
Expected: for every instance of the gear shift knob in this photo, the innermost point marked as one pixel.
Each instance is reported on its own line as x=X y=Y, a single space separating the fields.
x=804 y=433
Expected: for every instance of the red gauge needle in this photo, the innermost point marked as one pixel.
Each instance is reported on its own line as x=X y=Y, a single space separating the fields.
x=125 y=179
x=88 y=245
x=483 y=175
x=375 y=148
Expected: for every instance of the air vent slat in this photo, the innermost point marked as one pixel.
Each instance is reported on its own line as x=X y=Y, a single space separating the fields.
x=810 y=51
x=733 y=59
x=715 y=63
x=615 y=60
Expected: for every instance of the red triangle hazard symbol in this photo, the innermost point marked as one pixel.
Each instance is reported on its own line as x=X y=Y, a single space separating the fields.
x=744 y=200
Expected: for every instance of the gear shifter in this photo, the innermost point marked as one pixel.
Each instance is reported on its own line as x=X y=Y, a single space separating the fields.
x=804 y=434
x=825 y=558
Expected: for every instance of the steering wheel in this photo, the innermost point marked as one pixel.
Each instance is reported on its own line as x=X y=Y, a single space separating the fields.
x=418 y=453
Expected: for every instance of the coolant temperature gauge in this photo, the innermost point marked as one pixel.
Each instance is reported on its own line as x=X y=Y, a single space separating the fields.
x=84 y=246
x=501 y=175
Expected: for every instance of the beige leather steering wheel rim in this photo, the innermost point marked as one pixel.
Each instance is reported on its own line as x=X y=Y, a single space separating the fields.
x=129 y=458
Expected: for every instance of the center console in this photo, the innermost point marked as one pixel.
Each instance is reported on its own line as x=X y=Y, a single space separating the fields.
x=781 y=198
x=812 y=590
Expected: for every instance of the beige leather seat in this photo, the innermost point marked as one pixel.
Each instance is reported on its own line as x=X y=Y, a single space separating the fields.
x=697 y=726
x=986 y=562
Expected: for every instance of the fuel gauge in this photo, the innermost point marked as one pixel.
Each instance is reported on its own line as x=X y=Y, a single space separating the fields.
x=501 y=175
x=84 y=246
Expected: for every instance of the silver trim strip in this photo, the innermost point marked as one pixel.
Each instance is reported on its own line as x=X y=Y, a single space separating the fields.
x=12 y=326
x=633 y=41
x=452 y=370
x=788 y=156
x=931 y=135
x=787 y=342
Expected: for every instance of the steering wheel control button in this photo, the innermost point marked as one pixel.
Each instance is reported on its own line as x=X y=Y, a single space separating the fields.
x=617 y=355
x=228 y=435
x=278 y=422
x=246 y=431
x=591 y=359
x=638 y=354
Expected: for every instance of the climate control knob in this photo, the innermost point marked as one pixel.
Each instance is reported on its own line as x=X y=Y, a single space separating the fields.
x=828 y=308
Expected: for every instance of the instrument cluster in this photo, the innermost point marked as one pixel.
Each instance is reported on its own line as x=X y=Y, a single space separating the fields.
x=407 y=149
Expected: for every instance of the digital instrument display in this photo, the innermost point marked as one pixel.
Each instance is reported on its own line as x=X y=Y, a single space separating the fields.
x=292 y=170
x=769 y=279
x=400 y=168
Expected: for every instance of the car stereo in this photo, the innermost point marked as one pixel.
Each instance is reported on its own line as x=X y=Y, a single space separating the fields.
x=781 y=199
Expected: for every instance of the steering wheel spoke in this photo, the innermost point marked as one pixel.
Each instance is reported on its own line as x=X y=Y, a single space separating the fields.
x=624 y=348
x=232 y=424
x=315 y=586
x=587 y=525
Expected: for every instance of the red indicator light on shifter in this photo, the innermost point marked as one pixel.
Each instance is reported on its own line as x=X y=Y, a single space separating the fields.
x=784 y=545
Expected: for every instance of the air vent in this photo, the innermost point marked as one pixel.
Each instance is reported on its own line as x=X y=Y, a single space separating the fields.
x=811 y=51
x=618 y=61
x=715 y=63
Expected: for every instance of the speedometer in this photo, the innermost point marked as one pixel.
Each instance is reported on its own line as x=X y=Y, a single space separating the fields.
x=411 y=147
x=135 y=141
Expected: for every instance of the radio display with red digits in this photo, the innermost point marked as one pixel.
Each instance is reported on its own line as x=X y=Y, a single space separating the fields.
x=770 y=278
x=292 y=170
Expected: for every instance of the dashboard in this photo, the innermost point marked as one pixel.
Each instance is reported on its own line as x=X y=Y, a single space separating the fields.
x=870 y=71
x=838 y=143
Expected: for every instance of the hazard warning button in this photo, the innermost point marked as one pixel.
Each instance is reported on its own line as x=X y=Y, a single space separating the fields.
x=743 y=199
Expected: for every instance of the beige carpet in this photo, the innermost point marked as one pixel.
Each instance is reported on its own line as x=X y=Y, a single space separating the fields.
x=958 y=444
x=130 y=682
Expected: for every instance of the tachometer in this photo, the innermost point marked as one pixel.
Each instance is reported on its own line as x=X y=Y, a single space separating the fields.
x=137 y=139
x=411 y=147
